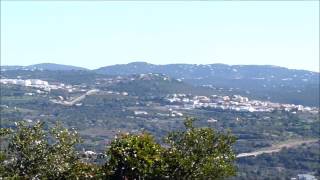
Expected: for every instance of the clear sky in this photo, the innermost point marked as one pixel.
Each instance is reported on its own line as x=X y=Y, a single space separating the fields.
x=99 y=33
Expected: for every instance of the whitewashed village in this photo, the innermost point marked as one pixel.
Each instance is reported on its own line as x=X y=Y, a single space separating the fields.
x=174 y=101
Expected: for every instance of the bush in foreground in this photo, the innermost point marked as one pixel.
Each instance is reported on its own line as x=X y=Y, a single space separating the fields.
x=30 y=152
x=199 y=153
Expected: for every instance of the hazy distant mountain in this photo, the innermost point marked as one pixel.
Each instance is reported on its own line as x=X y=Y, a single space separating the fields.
x=194 y=71
x=44 y=66
x=262 y=82
x=7 y=68
x=146 y=85
x=259 y=81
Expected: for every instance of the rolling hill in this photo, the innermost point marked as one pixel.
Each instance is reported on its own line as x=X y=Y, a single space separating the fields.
x=257 y=81
x=263 y=82
x=44 y=66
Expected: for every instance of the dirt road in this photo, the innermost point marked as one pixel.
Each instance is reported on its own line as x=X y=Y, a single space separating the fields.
x=278 y=147
x=77 y=99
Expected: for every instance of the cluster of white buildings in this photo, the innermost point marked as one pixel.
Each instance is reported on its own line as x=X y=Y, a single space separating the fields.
x=38 y=83
x=171 y=113
x=91 y=156
x=304 y=177
x=235 y=102
x=27 y=82
x=118 y=79
x=117 y=93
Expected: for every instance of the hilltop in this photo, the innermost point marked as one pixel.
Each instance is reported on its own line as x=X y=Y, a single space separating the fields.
x=44 y=66
x=263 y=82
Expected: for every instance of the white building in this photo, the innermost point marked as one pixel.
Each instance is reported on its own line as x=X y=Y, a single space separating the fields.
x=140 y=113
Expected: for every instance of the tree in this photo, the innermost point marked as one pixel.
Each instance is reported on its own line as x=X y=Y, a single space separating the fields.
x=30 y=152
x=30 y=155
x=199 y=153
x=3 y=153
x=196 y=153
x=135 y=157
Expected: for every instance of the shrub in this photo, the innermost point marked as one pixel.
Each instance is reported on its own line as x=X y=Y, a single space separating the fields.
x=135 y=157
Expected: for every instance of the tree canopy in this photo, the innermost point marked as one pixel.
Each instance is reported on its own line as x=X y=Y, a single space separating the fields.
x=31 y=152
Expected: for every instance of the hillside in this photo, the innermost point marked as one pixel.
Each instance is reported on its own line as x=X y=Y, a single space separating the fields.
x=157 y=85
x=99 y=106
x=44 y=66
x=261 y=82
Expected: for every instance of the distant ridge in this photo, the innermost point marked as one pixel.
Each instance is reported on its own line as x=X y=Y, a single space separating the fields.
x=44 y=66
x=175 y=70
x=266 y=82
x=263 y=82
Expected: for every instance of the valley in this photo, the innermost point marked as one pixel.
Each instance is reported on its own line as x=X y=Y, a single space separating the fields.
x=100 y=105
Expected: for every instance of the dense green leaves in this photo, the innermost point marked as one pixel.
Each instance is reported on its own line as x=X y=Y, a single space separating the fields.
x=196 y=153
x=30 y=155
x=135 y=157
x=199 y=153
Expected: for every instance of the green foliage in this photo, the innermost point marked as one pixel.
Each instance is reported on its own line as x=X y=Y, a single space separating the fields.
x=300 y=160
x=196 y=153
x=199 y=153
x=81 y=170
x=30 y=155
x=135 y=157
x=3 y=133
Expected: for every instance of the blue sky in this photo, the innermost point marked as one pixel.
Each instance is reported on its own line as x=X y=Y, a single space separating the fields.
x=100 y=33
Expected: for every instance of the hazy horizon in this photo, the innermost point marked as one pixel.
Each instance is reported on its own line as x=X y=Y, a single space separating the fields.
x=97 y=34
x=159 y=64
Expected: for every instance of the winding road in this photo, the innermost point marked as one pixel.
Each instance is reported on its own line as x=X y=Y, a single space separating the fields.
x=77 y=99
x=278 y=147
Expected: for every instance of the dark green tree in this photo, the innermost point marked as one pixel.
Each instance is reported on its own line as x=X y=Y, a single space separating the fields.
x=30 y=155
x=135 y=157
x=199 y=153
x=196 y=153
x=30 y=152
